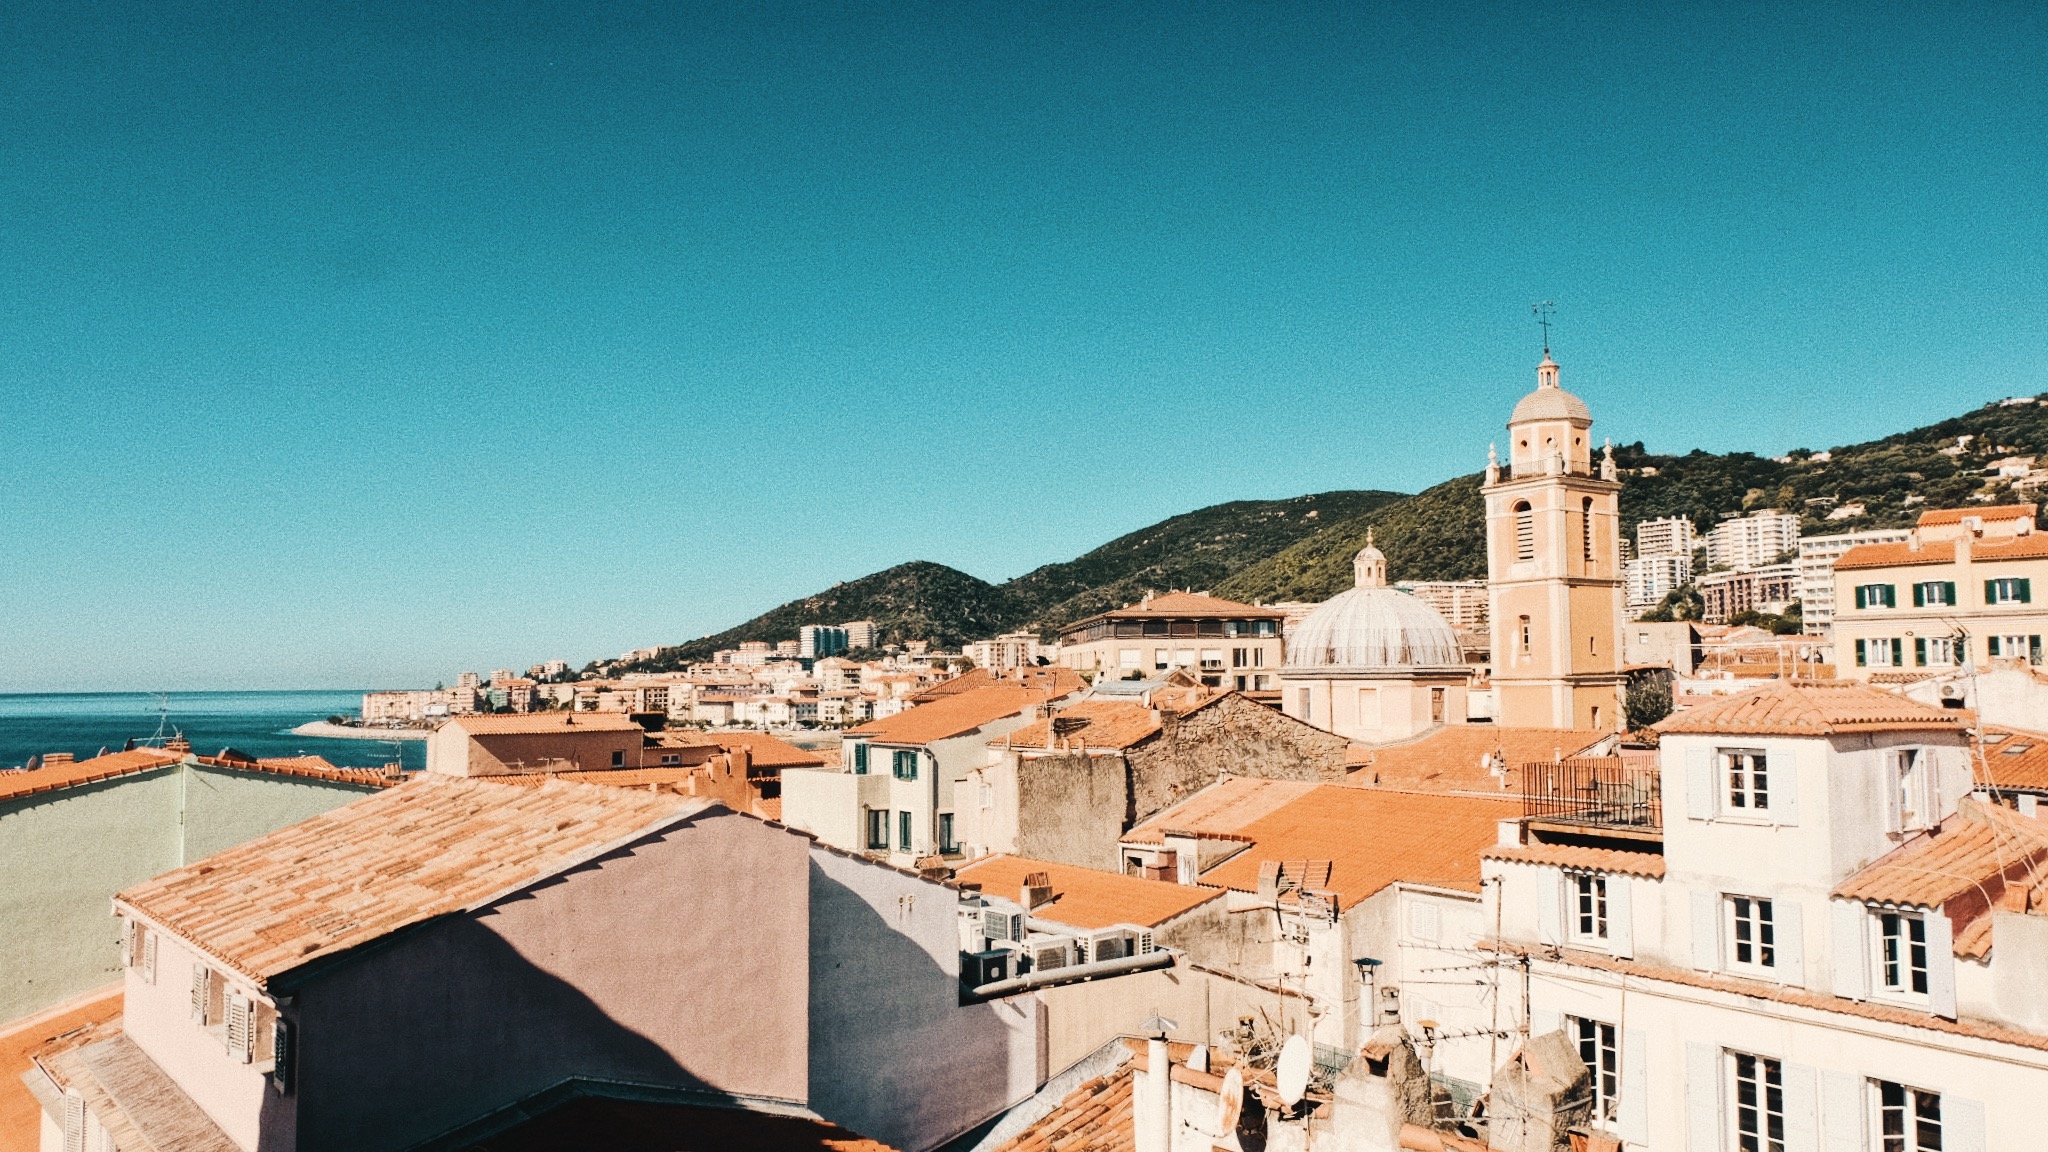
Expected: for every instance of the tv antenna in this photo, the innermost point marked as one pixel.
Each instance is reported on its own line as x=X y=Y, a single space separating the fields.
x=1542 y=310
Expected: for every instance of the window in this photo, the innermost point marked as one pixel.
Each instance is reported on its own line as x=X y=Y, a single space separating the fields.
x=878 y=828
x=2015 y=647
x=947 y=845
x=903 y=764
x=1875 y=596
x=1759 y=1104
x=1369 y=708
x=1160 y=659
x=1301 y=699
x=1880 y=652
x=1909 y=790
x=903 y=831
x=1523 y=626
x=1589 y=905
x=1586 y=523
x=1902 y=953
x=1908 y=1120
x=1240 y=658
x=1602 y=1057
x=1752 y=938
x=1934 y=651
x=1437 y=704
x=1212 y=658
x=860 y=759
x=1934 y=594
x=1128 y=657
x=1525 y=531
x=1749 y=781
x=2008 y=591
x=619 y=759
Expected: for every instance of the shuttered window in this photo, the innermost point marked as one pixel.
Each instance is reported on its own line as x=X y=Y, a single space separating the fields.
x=903 y=831
x=1759 y=1104
x=1908 y=1119
x=2010 y=590
x=1525 y=531
x=1876 y=596
x=1934 y=594
x=240 y=1041
x=860 y=759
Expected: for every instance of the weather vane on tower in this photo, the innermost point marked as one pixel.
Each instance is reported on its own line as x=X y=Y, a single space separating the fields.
x=1542 y=310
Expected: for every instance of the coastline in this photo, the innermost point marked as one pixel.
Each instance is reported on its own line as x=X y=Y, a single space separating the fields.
x=347 y=732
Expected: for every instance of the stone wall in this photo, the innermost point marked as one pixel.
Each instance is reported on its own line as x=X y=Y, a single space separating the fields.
x=1232 y=735
x=1072 y=809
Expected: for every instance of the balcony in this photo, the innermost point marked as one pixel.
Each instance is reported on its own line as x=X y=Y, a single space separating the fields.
x=1598 y=795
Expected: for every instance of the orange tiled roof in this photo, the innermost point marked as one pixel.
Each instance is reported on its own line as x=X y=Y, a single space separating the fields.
x=18 y=783
x=1102 y=724
x=1978 y=846
x=1447 y=759
x=137 y=1101
x=526 y=723
x=615 y=777
x=1582 y=859
x=21 y=1117
x=1087 y=898
x=1373 y=837
x=1095 y=1117
x=953 y=715
x=767 y=751
x=1988 y=512
x=1784 y=708
x=1221 y=809
x=307 y=767
x=2032 y=546
x=2013 y=758
x=432 y=846
x=1061 y=679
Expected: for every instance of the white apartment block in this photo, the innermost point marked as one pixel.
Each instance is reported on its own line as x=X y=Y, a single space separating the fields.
x=1461 y=602
x=861 y=633
x=1752 y=541
x=1817 y=556
x=1651 y=578
x=816 y=641
x=1669 y=536
x=1010 y=650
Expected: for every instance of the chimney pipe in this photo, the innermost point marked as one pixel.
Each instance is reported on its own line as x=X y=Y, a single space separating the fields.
x=1153 y=1116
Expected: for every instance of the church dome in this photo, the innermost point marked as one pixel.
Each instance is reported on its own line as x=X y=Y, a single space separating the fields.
x=1373 y=627
x=1550 y=401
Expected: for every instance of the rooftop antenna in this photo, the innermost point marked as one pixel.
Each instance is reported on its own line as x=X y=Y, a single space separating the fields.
x=1542 y=310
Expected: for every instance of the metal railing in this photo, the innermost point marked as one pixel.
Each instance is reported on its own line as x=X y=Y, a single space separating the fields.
x=1597 y=791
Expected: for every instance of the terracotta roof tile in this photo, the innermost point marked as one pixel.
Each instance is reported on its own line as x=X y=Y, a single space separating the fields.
x=140 y=1105
x=954 y=715
x=1087 y=898
x=432 y=846
x=1992 y=548
x=1373 y=837
x=767 y=751
x=1976 y=847
x=23 y=783
x=2012 y=758
x=1221 y=809
x=1782 y=708
x=1095 y=1117
x=614 y=777
x=20 y=1116
x=1061 y=679
x=1449 y=759
x=526 y=723
x=1584 y=859
x=1193 y=604
x=1988 y=512
x=1117 y=724
x=643 y=1126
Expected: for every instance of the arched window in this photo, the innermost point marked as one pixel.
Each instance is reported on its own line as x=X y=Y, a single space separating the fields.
x=1525 y=531
x=1587 y=509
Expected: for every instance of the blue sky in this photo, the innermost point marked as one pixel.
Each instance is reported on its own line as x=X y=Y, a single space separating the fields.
x=360 y=344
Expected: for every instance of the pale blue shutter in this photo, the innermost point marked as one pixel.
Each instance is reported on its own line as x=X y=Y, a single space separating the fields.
x=1702 y=1098
x=1841 y=1112
x=1549 y=916
x=1621 y=927
x=1786 y=926
x=1785 y=788
x=1699 y=783
x=1962 y=1125
x=1802 y=1128
x=1941 y=966
x=1633 y=1118
x=1706 y=931
x=1849 y=947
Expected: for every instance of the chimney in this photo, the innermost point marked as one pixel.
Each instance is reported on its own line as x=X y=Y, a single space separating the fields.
x=1963 y=548
x=1037 y=890
x=52 y=759
x=1913 y=540
x=1152 y=1118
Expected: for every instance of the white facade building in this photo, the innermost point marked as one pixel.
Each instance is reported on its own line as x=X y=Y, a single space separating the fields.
x=1752 y=541
x=1817 y=556
x=1669 y=536
x=1651 y=578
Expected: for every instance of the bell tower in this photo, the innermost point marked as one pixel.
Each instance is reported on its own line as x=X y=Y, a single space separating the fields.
x=1553 y=564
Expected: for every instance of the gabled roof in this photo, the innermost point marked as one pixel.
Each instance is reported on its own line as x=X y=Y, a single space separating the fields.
x=765 y=750
x=1583 y=859
x=2032 y=546
x=2013 y=758
x=1373 y=837
x=1980 y=853
x=114 y=765
x=1095 y=1117
x=432 y=846
x=136 y=1101
x=1448 y=759
x=1086 y=898
x=1220 y=810
x=21 y=1118
x=532 y=723
x=1988 y=512
x=1824 y=708
x=954 y=715
x=1117 y=724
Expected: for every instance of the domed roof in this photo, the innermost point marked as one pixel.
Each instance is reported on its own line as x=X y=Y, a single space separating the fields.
x=1373 y=627
x=1550 y=401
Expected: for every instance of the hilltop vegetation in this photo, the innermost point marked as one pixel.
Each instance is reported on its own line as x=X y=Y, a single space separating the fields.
x=1301 y=549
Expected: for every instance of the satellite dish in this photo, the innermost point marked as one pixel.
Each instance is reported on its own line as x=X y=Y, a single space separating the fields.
x=1229 y=1101
x=1291 y=1074
x=1198 y=1060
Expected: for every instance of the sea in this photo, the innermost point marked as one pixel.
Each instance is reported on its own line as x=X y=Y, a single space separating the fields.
x=259 y=723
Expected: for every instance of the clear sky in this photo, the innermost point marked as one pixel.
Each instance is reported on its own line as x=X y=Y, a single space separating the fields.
x=354 y=344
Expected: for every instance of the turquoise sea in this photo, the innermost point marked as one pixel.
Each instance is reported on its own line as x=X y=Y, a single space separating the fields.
x=259 y=723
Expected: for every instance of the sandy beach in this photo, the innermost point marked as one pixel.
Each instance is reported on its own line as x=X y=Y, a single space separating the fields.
x=346 y=732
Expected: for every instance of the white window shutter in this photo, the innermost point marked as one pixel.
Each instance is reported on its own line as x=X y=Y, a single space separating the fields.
x=1633 y=1117
x=199 y=993
x=1841 y=1112
x=1962 y=1125
x=148 y=957
x=240 y=1041
x=1849 y=943
x=1702 y=1098
x=127 y=943
x=1785 y=791
x=74 y=1123
x=1549 y=912
x=1790 y=933
x=1941 y=966
x=1699 y=783
x=1894 y=820
x=1706 y=931
x=1802 y=1103
x=1621 y=921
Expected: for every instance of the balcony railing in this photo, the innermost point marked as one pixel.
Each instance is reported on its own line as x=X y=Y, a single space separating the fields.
x=1596 y=791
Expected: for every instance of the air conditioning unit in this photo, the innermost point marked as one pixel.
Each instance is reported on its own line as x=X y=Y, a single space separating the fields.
x=998 y=923
x=1050 y=953
x=1110 y=944
x=979 y=968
